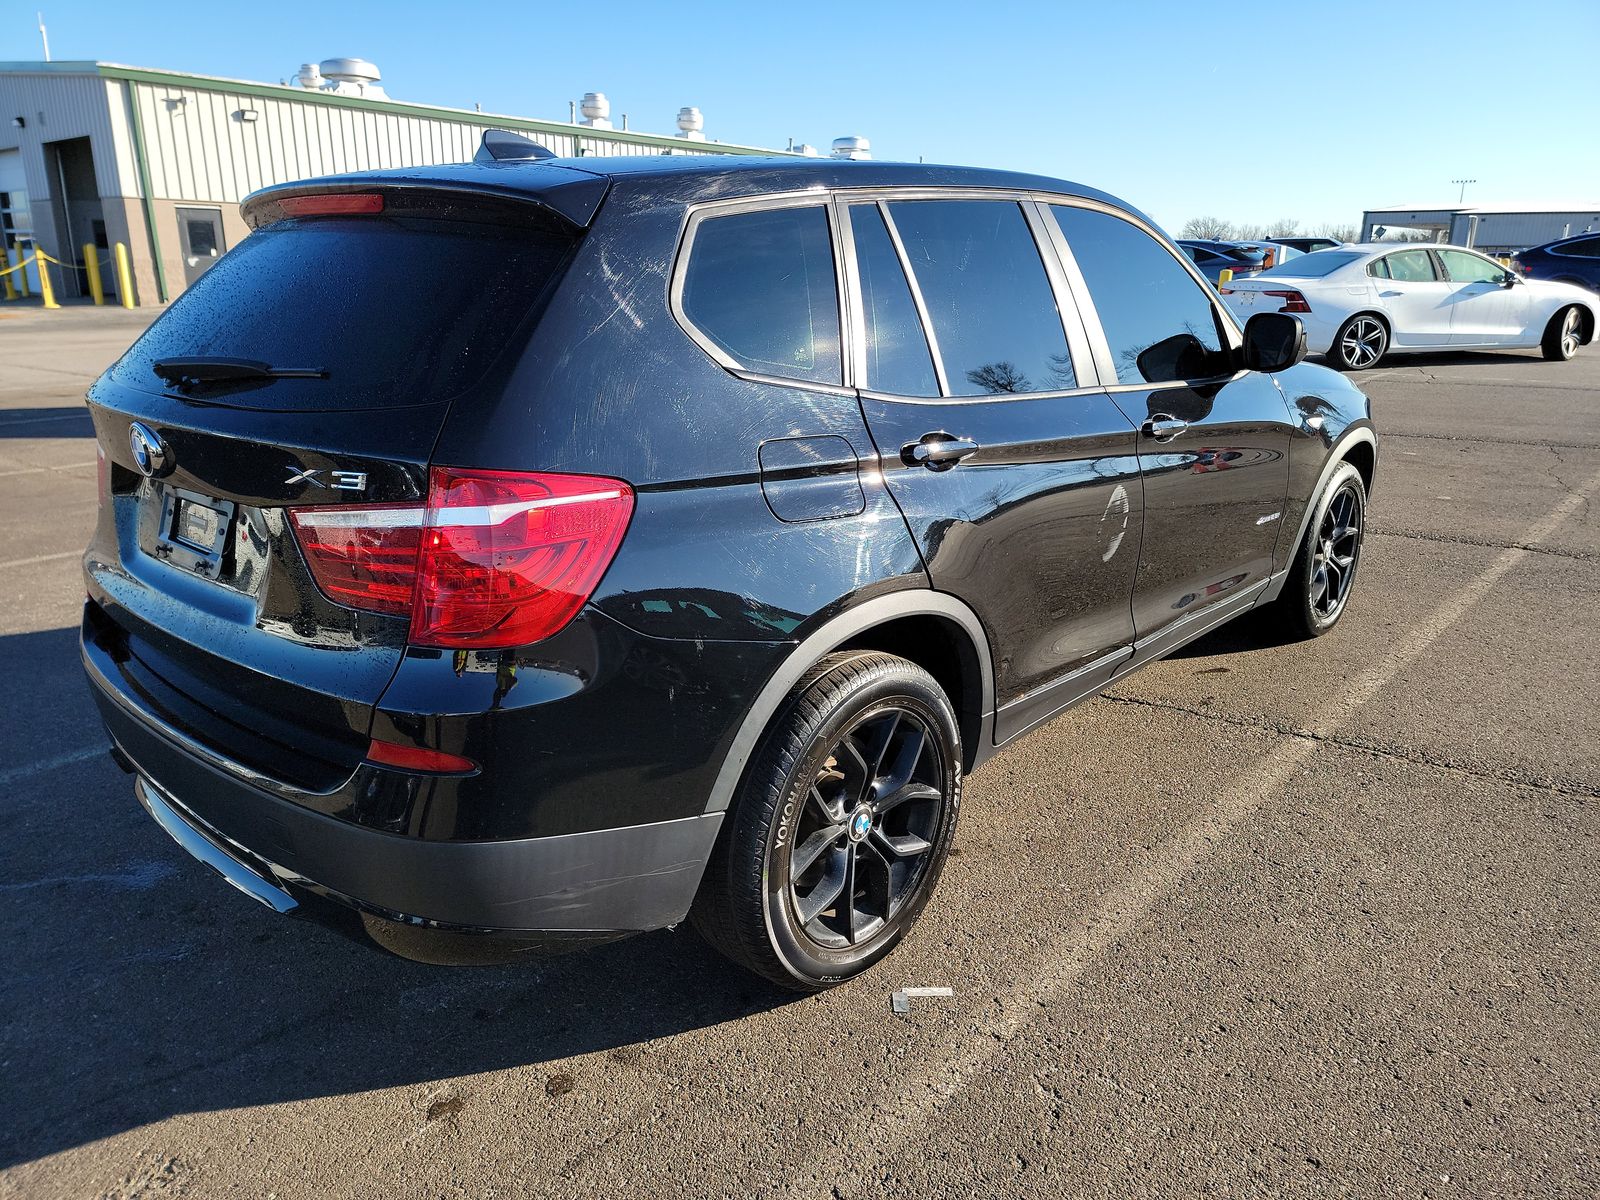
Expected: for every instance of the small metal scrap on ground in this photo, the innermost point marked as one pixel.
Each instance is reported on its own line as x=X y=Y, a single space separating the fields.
x=900 y=1002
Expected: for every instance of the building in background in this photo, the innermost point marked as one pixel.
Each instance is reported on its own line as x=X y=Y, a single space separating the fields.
x=97 y=153
x=1491 y=228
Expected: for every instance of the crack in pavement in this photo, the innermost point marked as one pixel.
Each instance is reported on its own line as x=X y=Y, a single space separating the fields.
x=1390 y=435
x=1488 y=543
x=1369 y=746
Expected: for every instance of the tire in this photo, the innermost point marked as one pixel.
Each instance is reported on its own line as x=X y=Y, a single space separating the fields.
x=1360 y=344
x=866 y=741
x=1564 y=334
x=1306 y=608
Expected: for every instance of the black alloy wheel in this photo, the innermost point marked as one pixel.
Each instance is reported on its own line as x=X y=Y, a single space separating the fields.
x=1323 y=573
x=842 y=826
x=1338 y=546
x=866 y=828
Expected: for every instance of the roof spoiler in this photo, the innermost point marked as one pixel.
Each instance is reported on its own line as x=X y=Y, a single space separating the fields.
x=501 y=145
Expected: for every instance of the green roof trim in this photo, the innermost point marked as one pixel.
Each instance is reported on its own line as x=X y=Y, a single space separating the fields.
x=271 y=91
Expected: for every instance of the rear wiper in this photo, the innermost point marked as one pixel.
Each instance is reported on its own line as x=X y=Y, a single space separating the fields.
x=183 y=371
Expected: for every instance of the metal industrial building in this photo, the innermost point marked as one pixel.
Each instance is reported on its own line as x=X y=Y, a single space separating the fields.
x=1492 y=228
x=97 y=153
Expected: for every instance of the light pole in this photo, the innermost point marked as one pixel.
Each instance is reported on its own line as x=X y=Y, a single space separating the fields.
x=1461 y=199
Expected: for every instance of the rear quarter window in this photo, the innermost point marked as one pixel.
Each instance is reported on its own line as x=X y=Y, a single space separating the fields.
x=761 y=287
x=398 y=310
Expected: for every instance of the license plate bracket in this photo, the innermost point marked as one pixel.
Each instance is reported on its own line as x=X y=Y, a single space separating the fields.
x=194 y=531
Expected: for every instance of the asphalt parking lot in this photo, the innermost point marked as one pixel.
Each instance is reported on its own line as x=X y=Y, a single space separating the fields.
x=1263 y=919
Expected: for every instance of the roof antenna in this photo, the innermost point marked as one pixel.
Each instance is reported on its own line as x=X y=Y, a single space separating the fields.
x=44 y=37
x=501 y=145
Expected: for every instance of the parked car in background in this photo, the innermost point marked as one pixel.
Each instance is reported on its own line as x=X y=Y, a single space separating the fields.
x=483 y=619
x=1212 y=258
x=1566 y=260
x=1307 y=245
x=1272 y=253
x=1358 y=302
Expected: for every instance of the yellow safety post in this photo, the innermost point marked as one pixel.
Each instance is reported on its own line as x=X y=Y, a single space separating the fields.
x=91 y=264
x=1224 y=276
x=5 y=270
x=124 y=276
x=22 y=274
x=46 y=292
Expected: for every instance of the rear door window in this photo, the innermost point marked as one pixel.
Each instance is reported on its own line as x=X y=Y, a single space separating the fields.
x=897 y=357
x=990 y=303
x=1159 y=321
x=1412 y=266
x=761 y=287
x=1587 y=248
x=397 y=310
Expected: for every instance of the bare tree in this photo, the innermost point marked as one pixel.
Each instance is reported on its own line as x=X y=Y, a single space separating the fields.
x=1283 y=227
x=1339 y=233
x=1208 y=229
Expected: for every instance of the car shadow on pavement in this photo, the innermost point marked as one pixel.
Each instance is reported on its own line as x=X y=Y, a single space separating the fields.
x=138 y=986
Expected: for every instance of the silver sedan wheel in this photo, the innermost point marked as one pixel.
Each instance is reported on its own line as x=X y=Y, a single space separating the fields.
x=1571 y=333
x=1363 y=342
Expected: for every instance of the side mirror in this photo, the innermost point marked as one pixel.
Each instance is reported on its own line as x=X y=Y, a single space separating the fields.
x=1273 y=342
x=1509 y=279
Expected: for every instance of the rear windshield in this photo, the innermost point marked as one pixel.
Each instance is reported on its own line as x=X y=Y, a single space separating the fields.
x=398 y=310
x=1313 y=266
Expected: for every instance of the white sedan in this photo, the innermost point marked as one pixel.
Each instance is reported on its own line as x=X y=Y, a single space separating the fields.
x=1359 y=302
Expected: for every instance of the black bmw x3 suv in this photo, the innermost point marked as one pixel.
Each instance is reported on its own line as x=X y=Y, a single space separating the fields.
x=540 y=550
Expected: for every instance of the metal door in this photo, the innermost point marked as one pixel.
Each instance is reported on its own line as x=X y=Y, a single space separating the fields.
x=200 y=237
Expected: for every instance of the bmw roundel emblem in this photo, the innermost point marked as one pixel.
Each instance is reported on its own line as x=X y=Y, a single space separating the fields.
x=860 y=825
x=149 y=454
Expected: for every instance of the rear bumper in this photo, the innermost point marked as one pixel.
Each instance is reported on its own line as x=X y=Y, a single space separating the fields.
x=605 y=881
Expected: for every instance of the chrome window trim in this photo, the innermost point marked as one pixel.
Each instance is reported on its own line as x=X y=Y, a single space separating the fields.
x=1079 y=344
x=1232 y=335
x=697 y=214
x=929 y=334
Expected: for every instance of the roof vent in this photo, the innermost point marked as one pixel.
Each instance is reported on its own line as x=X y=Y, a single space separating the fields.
x=342 y=76
x=596 y=110
x=807 y=149
x=501 y=145
x=854 y=148
x=691 y=124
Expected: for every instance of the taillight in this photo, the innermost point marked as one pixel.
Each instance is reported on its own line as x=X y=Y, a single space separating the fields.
x=493 y=559
x=342 y=204
x=1293 y=302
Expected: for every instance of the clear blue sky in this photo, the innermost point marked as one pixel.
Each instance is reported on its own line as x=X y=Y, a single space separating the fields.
x=1249 y=112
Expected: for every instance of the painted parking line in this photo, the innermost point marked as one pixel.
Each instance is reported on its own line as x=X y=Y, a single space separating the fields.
x=39 y=558
x=16 y=774
x=920 y=1096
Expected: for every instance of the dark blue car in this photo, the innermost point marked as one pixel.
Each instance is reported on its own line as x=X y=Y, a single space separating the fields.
x=1566 y=260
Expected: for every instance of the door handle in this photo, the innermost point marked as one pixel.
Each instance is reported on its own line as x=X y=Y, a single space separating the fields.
x=1163 y=427
x=938 y=451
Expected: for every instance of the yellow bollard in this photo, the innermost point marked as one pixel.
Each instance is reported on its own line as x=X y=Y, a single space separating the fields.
x=5 y=265
x=46 y=292
x=22 y=275
x=124 y=276
x=1224 y=276
x=91 y=264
